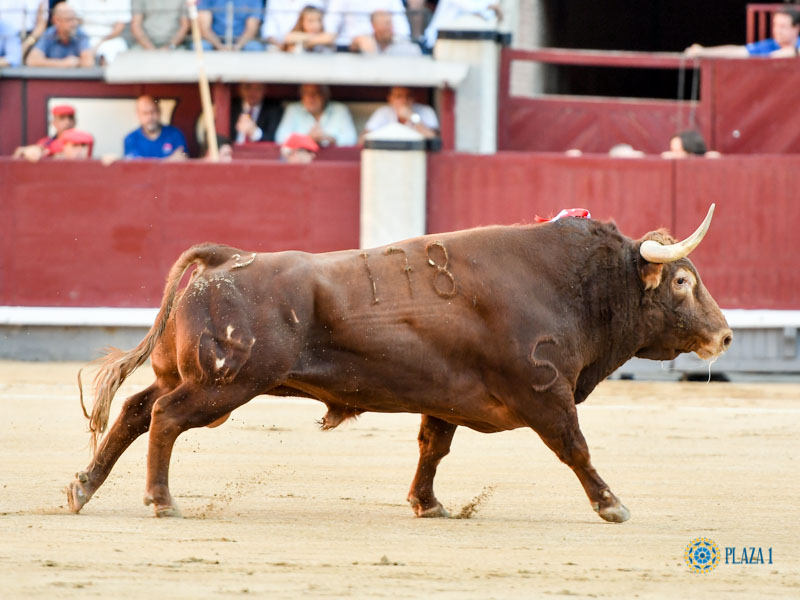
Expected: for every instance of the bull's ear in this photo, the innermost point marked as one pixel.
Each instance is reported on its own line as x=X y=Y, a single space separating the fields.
x=650 y=274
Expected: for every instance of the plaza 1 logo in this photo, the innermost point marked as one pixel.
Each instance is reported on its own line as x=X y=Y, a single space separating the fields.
x=701 y=555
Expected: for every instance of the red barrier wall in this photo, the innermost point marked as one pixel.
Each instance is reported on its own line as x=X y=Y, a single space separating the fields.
x=81 y=234
x=746 y=260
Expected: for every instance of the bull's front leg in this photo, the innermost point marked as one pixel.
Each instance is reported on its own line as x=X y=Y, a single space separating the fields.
x=558 y=428
x=435 y=437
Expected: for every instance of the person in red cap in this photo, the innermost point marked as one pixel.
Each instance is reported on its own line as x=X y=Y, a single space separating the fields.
x=77 y=145
x=299 y=149
x=63 y=119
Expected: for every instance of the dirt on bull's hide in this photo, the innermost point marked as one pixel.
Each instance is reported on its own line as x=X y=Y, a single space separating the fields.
x=275 y=508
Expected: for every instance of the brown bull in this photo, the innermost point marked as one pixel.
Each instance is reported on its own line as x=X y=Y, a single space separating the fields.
x=492 y=328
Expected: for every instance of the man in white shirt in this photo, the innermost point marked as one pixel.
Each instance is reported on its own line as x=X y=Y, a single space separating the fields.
x=383 y=41
x=448 y=11
x=401 y=108
x=327 y=122
x=349 y=19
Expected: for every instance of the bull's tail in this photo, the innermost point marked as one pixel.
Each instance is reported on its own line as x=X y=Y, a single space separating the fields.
x=117 y=365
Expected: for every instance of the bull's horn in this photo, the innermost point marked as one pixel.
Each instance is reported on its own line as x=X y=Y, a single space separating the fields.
x=654 y=252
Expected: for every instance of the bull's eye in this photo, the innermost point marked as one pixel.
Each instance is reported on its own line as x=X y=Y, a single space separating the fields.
x=680 y=280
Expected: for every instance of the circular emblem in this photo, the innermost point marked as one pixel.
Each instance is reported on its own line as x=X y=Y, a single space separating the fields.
x=701 y=555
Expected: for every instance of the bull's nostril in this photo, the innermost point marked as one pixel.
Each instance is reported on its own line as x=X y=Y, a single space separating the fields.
x=726 y=341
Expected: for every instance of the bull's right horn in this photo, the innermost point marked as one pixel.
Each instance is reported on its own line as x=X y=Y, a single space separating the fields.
x=654 y=252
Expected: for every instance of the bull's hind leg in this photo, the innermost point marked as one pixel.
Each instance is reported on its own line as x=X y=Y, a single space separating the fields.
x=558 y=427
x=186 y=407
x=435 y=437
x=133 y=421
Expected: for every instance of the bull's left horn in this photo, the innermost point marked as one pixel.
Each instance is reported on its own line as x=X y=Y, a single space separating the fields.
x=654 y=252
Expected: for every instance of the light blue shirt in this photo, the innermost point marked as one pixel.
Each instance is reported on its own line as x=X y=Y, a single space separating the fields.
x=10 y=45
x=335 y=121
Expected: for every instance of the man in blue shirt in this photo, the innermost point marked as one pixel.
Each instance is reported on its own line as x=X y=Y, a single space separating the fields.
x=230 y=30
x=785 y=41
x=152 y=139
x=62 y=45
x=10 y=46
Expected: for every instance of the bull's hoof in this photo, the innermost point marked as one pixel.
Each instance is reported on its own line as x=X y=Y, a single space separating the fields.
x=162 y=510
x=77 y=495
x=434 y=512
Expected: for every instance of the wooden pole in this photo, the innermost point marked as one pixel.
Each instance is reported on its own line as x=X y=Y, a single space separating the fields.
x=205 y=92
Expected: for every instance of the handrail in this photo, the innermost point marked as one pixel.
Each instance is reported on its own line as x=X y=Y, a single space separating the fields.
x=602 y=58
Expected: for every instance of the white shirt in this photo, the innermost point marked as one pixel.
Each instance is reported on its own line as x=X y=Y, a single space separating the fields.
x=350 y=18
x=386 y=115
x=21 y=14
x=281 y=17
x=98 y=16
x=448 y=11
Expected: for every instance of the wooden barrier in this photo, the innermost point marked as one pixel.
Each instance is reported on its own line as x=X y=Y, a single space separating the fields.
x=745 y=260
x=81 y=234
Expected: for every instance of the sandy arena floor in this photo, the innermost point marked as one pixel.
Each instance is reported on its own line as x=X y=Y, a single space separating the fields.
x=275 y=508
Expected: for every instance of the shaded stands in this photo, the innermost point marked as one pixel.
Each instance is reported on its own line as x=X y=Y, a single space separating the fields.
x=745 y=106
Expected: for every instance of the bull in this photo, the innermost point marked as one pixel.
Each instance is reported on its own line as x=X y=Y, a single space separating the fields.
x=492 y=328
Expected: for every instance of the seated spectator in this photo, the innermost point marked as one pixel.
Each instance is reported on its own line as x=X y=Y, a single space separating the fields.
x=382 y=40
x=77 y=145
x=254 y=117
x=224 y=146
x=281 y=17
x=63 y=120
x=448 y=11
x=401 y=108
x=63 y=44
x=307 y=34
x=159 y=24
x=349 y=19
x=327 y=122
x=10 y=46
x=104 y=21
x=241 y=23
x=688 y=143
x=152 y=139
x=784 y=41
x=299 y=149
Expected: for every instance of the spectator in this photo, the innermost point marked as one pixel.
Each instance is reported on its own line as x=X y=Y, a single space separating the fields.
x=104 y=21
x=63 y=120
x=27 y=19
x=382 y=40
x=784 y=41
x=327 y=122
x=307 y=34
x=448 y=11
x=254 y=118
x=688 y=143
x=159 y=24
x=281 y=17
x=299 y=149
x=10 y=46
x=152 y=139
x=63 y=44
x=348 y=19
x=224 y=147
x=77 y=145
x=401 y=108
x=234 y=29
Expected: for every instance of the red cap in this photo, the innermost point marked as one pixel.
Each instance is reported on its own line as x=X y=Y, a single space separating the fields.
x=298 y=141
x=76 y=136
x=63 y=109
